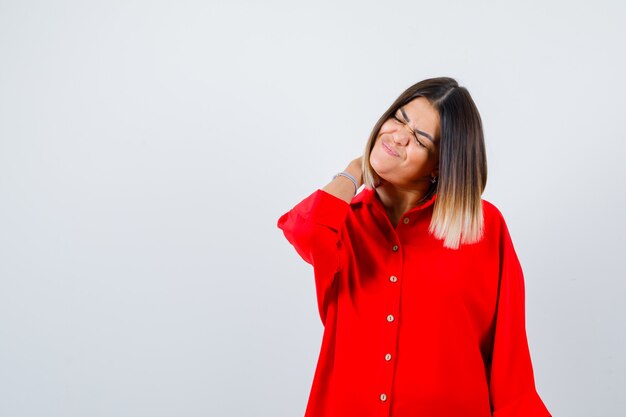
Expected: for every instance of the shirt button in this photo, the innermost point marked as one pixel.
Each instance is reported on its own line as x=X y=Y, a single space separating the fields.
x=388 y=357
x=395 y=248
x=390 y=318
x=406 y=220
x=383 y=397
x=393 y=278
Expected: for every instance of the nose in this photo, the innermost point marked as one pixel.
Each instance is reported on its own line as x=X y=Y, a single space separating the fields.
x=402 y=136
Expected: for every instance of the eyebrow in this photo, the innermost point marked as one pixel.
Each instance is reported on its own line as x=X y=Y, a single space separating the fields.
x=417 y=130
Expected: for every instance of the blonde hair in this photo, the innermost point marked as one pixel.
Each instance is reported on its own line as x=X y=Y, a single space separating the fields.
x=457 y=213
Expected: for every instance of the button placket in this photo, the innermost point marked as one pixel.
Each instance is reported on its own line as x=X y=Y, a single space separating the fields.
x=392 y=327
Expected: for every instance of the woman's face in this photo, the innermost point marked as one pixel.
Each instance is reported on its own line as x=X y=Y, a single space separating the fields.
x=406 y=151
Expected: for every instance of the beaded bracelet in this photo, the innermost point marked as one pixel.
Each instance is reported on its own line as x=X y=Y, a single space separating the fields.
x=350 y=177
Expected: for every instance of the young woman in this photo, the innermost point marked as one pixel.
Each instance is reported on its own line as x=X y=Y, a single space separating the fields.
x=419 y=288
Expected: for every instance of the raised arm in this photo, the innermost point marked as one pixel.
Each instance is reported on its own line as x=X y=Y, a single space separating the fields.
x=314 y=228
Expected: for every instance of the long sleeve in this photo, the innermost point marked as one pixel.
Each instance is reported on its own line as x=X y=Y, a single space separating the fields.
x=512 y=384
x=313 y=227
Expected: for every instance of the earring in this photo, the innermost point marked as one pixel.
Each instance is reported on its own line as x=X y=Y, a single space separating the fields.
x=433 y=179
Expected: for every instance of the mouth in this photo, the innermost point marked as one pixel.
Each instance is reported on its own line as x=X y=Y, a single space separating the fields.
x=388 y=149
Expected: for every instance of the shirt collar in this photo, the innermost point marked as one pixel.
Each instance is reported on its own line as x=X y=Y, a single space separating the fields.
x=368 y=196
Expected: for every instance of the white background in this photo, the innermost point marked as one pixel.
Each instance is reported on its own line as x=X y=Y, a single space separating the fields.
x=147 y=149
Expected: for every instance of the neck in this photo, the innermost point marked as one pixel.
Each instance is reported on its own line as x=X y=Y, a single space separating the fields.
x=397 y=200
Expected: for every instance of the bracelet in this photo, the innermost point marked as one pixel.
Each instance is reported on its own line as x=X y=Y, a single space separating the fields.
x=350 y=177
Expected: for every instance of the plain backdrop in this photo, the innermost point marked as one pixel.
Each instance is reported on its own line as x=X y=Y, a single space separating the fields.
x=148 y=148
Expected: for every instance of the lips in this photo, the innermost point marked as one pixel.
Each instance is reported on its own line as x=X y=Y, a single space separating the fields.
x=389 y=150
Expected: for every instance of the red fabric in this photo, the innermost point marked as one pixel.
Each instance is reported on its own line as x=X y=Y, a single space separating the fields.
x=457 y=338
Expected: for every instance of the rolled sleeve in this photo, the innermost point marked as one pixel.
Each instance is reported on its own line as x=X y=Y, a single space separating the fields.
x=314 y=228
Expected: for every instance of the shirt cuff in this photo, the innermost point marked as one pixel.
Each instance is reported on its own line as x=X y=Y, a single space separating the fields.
x=528 y=405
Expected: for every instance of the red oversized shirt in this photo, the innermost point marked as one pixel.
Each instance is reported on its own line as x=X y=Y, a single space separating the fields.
x=413 y=329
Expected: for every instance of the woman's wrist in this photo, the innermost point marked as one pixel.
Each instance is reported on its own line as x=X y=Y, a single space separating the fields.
x=349 y=176
x=346 y=183
x=356 y=174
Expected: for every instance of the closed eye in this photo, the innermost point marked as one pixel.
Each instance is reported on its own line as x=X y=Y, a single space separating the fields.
x=396 y=118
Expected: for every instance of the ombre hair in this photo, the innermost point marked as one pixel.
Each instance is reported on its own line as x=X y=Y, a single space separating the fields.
x=457 y=213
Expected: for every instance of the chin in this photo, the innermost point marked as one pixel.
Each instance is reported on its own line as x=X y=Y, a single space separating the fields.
x=380 y=164
x=381 y=177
